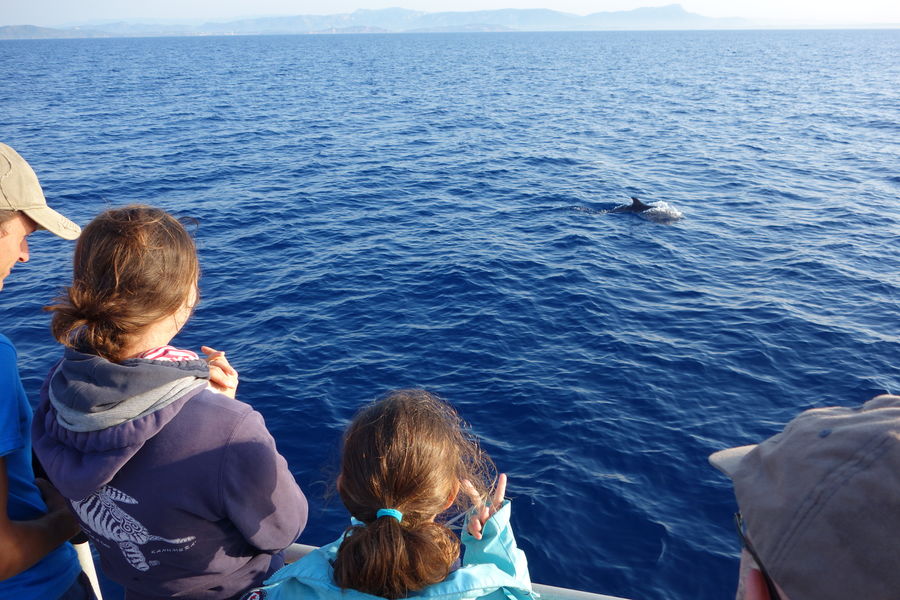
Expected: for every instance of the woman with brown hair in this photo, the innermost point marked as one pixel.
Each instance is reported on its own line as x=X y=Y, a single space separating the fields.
x=178 y=484
x=407 y=459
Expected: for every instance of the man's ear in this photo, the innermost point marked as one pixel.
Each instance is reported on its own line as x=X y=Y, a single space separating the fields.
x=751 y=583
x=755 y=586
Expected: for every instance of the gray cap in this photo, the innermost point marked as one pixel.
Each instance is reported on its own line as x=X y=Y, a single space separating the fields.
x=20 y=190
x=821 y=501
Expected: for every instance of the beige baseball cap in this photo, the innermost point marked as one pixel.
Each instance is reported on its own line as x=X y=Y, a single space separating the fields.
x=821 y=500
x=20 y=190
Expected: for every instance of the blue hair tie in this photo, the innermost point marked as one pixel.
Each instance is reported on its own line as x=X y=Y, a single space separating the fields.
x=389 y=512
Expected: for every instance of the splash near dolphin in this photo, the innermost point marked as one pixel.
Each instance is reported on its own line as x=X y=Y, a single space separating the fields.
x=658 y=212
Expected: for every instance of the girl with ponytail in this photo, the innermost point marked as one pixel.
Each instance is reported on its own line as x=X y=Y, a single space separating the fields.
x=175 y=481
x=407 y=460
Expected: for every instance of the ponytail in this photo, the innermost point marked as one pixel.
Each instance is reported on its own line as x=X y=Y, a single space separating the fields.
x=409 y=452
x=387 y=558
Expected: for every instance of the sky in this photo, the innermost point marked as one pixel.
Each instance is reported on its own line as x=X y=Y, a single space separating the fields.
x=50 y=13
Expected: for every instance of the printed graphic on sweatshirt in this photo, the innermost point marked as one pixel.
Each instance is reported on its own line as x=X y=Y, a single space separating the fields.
x=100 y=513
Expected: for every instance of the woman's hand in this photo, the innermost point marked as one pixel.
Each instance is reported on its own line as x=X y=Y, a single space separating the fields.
x=222 y=376
x=483 y=510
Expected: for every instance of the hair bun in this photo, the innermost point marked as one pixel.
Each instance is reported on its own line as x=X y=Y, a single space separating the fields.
x=133 y=266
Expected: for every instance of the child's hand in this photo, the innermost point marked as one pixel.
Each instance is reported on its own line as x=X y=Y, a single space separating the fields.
x=483 y=511
x=222 y=376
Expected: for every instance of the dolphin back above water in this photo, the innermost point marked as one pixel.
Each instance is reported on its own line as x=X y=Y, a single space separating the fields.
x=636 y=206
x=658 y=212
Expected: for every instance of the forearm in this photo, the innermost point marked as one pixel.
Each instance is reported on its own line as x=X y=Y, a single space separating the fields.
x=281 y=528
x=261 y=497
x=24 y=543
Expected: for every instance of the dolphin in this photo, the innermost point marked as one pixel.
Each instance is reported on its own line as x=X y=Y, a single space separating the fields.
x=636 y=206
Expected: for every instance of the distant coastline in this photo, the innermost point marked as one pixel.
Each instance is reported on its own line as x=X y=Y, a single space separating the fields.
x=399 y=20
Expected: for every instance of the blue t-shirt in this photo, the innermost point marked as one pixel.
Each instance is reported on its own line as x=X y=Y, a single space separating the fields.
x=56 y=572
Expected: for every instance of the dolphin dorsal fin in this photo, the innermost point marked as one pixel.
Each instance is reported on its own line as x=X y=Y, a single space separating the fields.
x=637 y=204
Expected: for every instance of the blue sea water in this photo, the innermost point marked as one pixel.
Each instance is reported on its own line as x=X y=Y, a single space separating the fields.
x=387 y=211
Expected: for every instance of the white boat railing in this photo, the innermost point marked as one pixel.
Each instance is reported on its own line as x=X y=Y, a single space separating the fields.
x=548 y=592
x=87 y=565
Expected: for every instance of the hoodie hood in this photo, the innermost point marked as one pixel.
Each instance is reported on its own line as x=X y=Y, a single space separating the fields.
x=95 y=415
x=90 y=393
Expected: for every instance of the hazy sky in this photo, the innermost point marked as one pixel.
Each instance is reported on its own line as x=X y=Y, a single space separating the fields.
x=62 y=12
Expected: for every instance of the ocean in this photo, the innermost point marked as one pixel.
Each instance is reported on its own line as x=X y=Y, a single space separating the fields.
x=431 y=210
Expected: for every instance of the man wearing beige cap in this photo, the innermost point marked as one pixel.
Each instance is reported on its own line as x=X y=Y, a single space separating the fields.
x=35 y=522
x=820 y=506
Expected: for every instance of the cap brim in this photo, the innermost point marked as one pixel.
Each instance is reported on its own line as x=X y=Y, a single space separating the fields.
x=728 y=460
x=53 y=222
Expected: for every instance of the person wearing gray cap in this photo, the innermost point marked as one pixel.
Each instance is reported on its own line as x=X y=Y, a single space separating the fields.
x=821 y=503
x=35 y=521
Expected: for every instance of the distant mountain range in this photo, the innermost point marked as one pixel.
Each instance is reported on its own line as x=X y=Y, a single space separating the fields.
x=400 y=20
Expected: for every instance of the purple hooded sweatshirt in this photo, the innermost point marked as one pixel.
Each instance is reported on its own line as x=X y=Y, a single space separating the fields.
x=180 y=488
